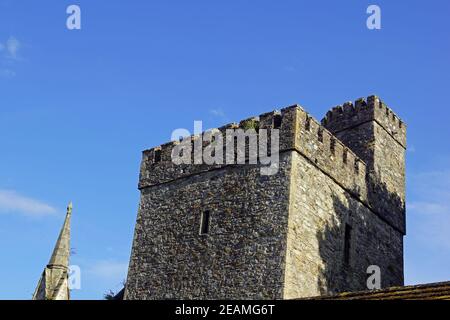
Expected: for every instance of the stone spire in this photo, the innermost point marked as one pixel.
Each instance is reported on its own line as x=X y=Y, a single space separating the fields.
x=54 y=282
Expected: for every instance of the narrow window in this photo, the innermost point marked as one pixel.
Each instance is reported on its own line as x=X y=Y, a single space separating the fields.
x=277 y=121
x=344 y=156
x=347 y=240
x=204 y=223
x=157 y=155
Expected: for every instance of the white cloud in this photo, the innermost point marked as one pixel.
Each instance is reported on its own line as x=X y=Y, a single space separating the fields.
x=13 y=202
x=428 y=208
x=428 y=214
x=9 y=51
x=12 y=46
x=217 y=112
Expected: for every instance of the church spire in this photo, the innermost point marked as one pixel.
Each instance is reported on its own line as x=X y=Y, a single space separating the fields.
x=61 y=252
x=53 y=284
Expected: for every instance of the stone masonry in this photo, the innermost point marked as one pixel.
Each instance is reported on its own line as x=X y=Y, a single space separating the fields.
x=335 y=207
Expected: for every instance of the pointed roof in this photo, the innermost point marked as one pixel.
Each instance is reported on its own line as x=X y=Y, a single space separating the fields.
x=61 y=252
x=53 y=284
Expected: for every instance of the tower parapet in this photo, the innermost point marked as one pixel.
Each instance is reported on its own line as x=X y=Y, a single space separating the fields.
x=377 y=135
x=348 y=115
x=157 y=166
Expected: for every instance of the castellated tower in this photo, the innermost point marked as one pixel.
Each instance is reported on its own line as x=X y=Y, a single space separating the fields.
x=334 y=208
x=377 y=136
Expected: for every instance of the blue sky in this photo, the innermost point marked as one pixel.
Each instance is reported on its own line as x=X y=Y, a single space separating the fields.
x=78 y=107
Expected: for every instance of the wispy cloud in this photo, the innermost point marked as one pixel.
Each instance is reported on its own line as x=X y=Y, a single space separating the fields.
x=429 y=208
x=217 y=112
x=13 y=202
x=9 y=54
x=12 y=47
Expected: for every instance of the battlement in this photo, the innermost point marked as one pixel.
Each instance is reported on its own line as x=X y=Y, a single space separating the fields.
x=298 y=131
x=157 y=166
x=329 y=154
x=363 y=110
x=268 y=120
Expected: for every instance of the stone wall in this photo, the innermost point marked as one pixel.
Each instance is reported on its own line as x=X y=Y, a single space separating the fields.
x=319 y=211
x=241 y=257
x=280 y=236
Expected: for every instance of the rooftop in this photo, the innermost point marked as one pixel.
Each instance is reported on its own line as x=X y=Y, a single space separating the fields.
x=429 y=291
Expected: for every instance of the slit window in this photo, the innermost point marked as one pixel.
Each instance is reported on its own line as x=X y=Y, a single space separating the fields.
x=204 y=223
x=347 y=240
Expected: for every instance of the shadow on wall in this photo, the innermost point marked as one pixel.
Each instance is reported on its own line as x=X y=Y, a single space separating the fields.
x=355 y=238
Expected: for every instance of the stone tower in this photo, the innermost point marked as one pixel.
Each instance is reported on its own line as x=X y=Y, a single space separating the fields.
x=53 y=284
x=224 y=231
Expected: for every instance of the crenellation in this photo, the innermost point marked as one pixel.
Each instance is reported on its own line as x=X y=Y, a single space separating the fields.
x=364 y=110
x=320 y=134
x=357 y=161
x=315 y=126
x=349 y=108
x=378 y=136
x=360 y=103
x=308 y=123
x=281 y=235
x=277 y=120
x=166 y=150
x=345 y=156
x=322 y=145
x=330 y=155
x=232 y=125
x=154 y=173
x=332 y=144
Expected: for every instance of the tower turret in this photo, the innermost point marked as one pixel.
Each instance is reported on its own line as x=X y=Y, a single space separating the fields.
x=378 y=136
